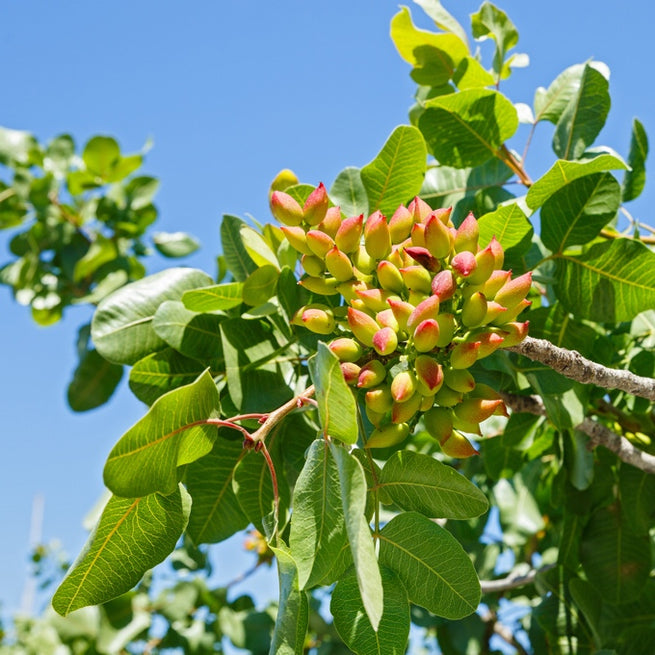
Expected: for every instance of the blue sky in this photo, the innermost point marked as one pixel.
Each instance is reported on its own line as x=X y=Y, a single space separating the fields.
x=231 y=92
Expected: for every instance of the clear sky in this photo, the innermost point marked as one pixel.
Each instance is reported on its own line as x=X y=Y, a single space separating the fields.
x=231 y=92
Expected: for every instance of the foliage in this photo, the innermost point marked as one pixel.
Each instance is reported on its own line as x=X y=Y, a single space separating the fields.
x=341 y=454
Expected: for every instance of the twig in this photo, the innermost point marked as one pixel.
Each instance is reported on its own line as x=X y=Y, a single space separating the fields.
x=278 y=414
x=508 y=158
x=7 y=193
x=502 y=631
x=573 y=365
x=607 y=234
x=512 y=581
x=598 y=434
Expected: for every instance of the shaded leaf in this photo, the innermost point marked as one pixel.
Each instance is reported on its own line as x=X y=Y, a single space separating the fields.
x=238 y=260
x=637 y=490
x=260 y=285
x=94 y=381
x=349 y=193
x=635 y=179
x=175 y=244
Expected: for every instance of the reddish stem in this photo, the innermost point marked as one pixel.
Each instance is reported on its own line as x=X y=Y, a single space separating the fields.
x=276 y=495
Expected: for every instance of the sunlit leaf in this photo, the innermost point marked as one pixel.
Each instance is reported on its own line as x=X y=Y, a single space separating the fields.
x=217 y=297
x=509 y=225
x=175 y=244
x=93 y=383
x=238 y=260
x=635 y=179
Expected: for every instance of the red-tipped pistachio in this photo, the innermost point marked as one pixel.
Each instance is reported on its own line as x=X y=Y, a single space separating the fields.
x=444 y=285
x=467 y=235
x=319 y=321
x=423 y=257
x=403 y=412
x=363 y=326
x=379 y=399
x=350 y=372
x=420 y=209
x=429 y=308
x=319 y=243
x=339 y=264
x=403 y=386
x=400 y=224
x=316 y=205
x=459 y=380
x=429 y=375
x=389 y=435
x=377 y=238
x=513 y=291
x=332 y=222
x=426 y=335
x=515 y=333
x=286 y=208
x=417 y=278
x=389 y=277
x=386 y=318
x=385 y=341
x=464 y=354
x=346 y=349
x=371 y=374
x=463 y=263
x=458 y=446
x=349 y=234
x=438 y=239
x=401 y=310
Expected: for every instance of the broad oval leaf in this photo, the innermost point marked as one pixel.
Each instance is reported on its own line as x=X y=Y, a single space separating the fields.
x=349 y=193
x=635 y=178
x=611 y=282
x=433 y=567
x=467 y=128
x=94 y=381
x=576 y=213
x=509 y=225
x=174 y=432
x=353 y=625
x=132 y=536
x=396 y=174
x=336 y=403
x=420 y=483
x=214 y=298
x=100 y=155
x=122 y=325
x=260 y=285
x=175 y=244
x=255 y=244
x=443 y=19
x=238 y=260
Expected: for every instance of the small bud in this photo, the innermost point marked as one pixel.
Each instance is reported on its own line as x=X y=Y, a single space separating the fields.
x=420 y=209
x=389 y=277
x=320 y=285
x=312 y=265
x=463 y=355
x=444 y=285
x=386 y=318
x=447 y=397
x=429 y=374
x=318 y=321
x=385 y=341
x=350 y=372
x=379 y=399
x=511 y=294
x=423 y=257
x=416 y=278
x=400 y=224
x=438 y=239
x=426 y=335
x=332 y=222
x=429 y=308
x=362 y=325
x=439 y=423
x=401 y=310
x=498 y=253
x=346 y=349
x=375 y=299
x=377 y=238
x=296 y=237
x=389 y=435
x=319 y=243
x=467 y=235
x=403 y=412
x=485 y=262
x=349 y=234
x=447 y=329
x=339 y=265
x=511 y=314
x=463 y=263
x=458 y=446
x=417 y=235
x=515 y=333
x=459 y=380
x=403 y=386
x=285 y=208
x=474 y=310
x=476 y=410
x=398 y=257
x=489 y=343
x=316 y=205
x=363 y=261
x=371 y=374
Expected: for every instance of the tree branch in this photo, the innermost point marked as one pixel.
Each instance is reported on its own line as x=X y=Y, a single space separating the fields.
x=512 y=581
x=278 y=414
x=573 y=365
x=502 y=631
x=598 y=434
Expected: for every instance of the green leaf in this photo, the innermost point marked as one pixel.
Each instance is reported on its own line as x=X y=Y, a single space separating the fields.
x=175 y=244
x=635 y=179
x=564 y=172
x=470 y=74
x=217 y=297
x=519 y=513
x=447 y=22
x=161 y=372
x=616 y=561
x=492 y=22
x=173 y=432
x=609 y=283
x=94 y=381
x=238 y=260
x=255 y=244
x=353 y=500
x=396 y=174
x=500 y=459
x=509 y=225
x=318 y=527
x=122 y=325
x=583 y=117
x=576 y=213
x=124 y=167
x=192 y=334
x=132 y=536
x=349 y=193
x=260 y=285
x=433 y=567
x=420 y=483
x=216 y=513
x=353 y=625
x=15 y=146
x=101 y=251
x=100 y=155
x=293 y=609
x=637 y=490
x=467 y=128
x=336 y=403
x=579 y=460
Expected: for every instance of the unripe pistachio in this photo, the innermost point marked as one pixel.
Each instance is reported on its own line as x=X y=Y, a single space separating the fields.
x=423 y=257
x=464 y=354
x=420 y=209
x=494 y=311
x=496 y=281
x=349 y=289
x=389 y=435
x=403 y=386
x=385 y=341
x=379 y=399
x=444 y=214
x=426 y=402
x=349 y=234
x=429 y=308
x=426 y=335
x=439 y=423
x=484 y=391
x=463 y=263
x=297 y=238
x=350 y=372
x=467 y=235
x=466 y=426
x=447 y=329
x=401 y=310
x=386 y=318
x=283 y=180
x=484 y=267
x=389 y=277
x=474 y=310
x=323 y=286
x=438 y=239
x=319 y=243
x=316 y=205
x=512 y=313
x=513 y=291
x=458 y=446
x=429 y=375
x=400 y=224
x=286 y=208
x=332 y=222
x=417 y=235
x=346 y=349
x=476 y=410
x=319 y=321
x=362 y=325
x=377 y=238
x=398 y=257
x=363 y=277
x=375 y=299
x=416 y=278
x=489 y=343
x=459 y=380
x=403 y=412
x=444 y=285
x=415 y=298
x=447 y=397
x=498 y=253
x=339 y=265
x=376 y=418
x=371 y=374
x=514 y=333
x=363 y=261
x=312 y=265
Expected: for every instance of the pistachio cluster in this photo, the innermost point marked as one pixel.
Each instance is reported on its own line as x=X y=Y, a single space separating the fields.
x=423 y=303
